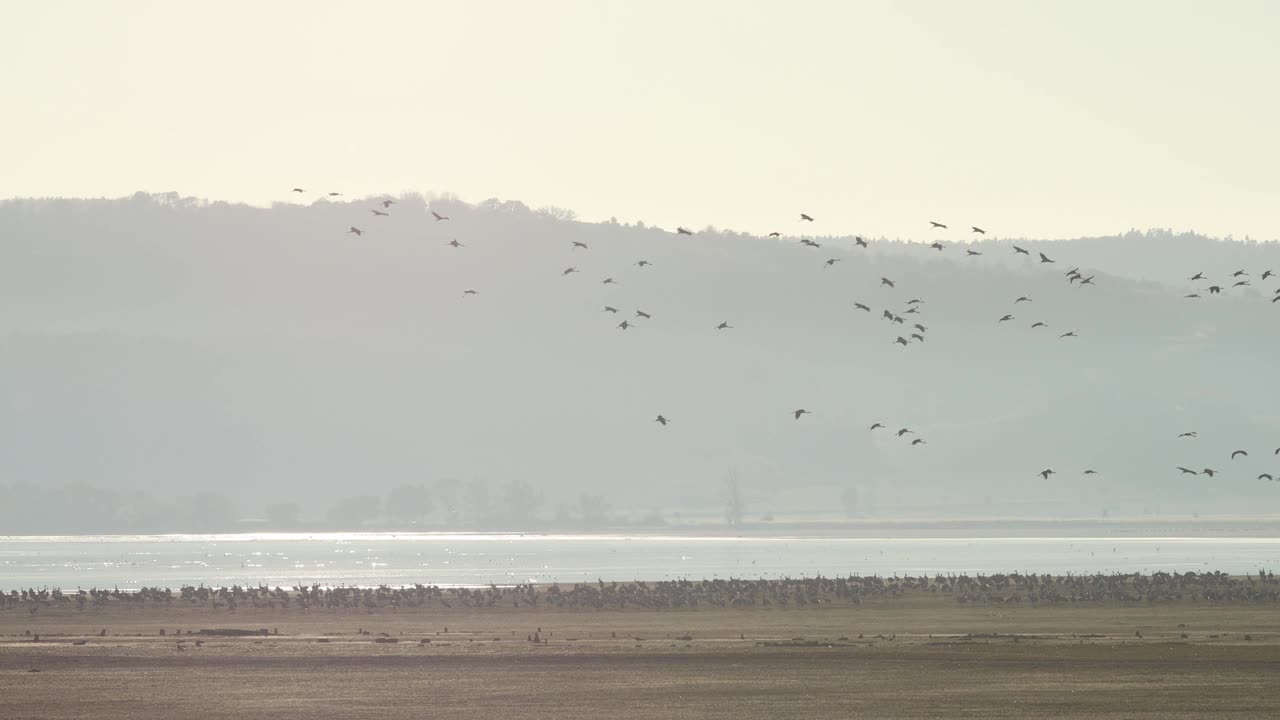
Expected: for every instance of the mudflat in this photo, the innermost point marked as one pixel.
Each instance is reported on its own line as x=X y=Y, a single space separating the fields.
x=913 y=655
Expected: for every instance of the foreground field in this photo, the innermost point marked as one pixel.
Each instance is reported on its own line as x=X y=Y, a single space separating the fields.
x=909 y=656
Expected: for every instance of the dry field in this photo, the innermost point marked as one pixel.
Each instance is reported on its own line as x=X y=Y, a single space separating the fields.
x=892 y=658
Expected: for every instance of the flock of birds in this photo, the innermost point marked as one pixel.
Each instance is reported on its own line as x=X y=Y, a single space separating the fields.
x=912 y=307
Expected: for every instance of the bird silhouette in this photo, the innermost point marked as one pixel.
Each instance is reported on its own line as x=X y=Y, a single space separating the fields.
x=975 y=228
x=454 y=243
x=1191 y=434
x=918 y=441
x=805 y=217
x=624 y=325
x=610 y=309
x=1024 y=298
x=902 y=341
x=353 y=229
x=1090 y=472
x=1238 y=273
x=972 y=252
x=917 y=336
x=470 y=292
x=887 y=315
x=578 y=244
x=663 y=421
x=569 y=271
x=1187 y=471
x=1266 y=274
x=643 y=314
x=860 y=306
x=334 y=194
x=1277 y=452
x=1209 y=471
x=1006 y=318
x=876 y=426
x=830 y=262
x=886 y=281
x=724 y=326
x=920 y=327
x=775 y=234
x=1197 y=276
x=608 y=281
x=1215 y=289
x=1046 y=473
x=1038 y=324
x=810 y=243
x=438 y=216
x=905 y=431
x=937 y=225
x=643 y=263
x=1192 y=295
x=859 y=241
x=1275 y=299
x=936 y=246
x=914 y=301
x=800 y=412
x=683 y=231
x=1068 y=334
x=1242 y=283
x=1087 y=281
x=911 y=311
x=1045 y=258
x=1239 y=452
x=388 y=203
x=1019 y=251
x=1265 y=476
x=298 y=190
x=379 y=212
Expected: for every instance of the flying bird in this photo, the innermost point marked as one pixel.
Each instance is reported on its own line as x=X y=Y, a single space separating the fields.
x=775 y=234
x=1024 y=298
x=353 y=229
x=661 y=420
x=388 y=203
x=805 y=217
x=1241 y=283
x=975 y=228
x=1209 y=471
x=643 y=263
x=1087 y=281
x=1215 y=289
x=1187 y=471
x=912 y=311
x=1191 y=434
x=1068 y=334
x=875 y=426
x=1267 y=274
x=1265 y=476
x=1006 y=318
x=577 y=244
x=1019 y=251
x=1192 y=295
x=335 y=194
x=914 y=301
x=904 y=431
x=860 y=306
x=379 y=212
x=683 y=231
x=810 y=243
x=1090 y=472
x=1238 y=273
x=298 y=190
x=972 y=252
x=1197 y=276
x=1239 y=452
x=937 y=225
x=936 y=246
x=624 y=325
x=454 y=243
x=918 y=441
x=887 y=315
x=1045 y=258
x=859 y=241
x=569 y=271
x=470 y=292
x=610 y=309
x=643 y=314
x=608 y=281
x=1046 y=473
x=917 y=336
x=724 y=326
x=886 y=281
x=438 y=216
x=902 y=341
x=920 y=327
x=800 y=412
x=1038 y=324
x=830 y=262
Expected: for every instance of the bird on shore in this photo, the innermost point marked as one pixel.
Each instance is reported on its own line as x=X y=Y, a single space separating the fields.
x=975 y=228
x=353 y=229
x=805 y=217
x=438 y=216
x=683 y=231
x=1238 y=453
x=886 y=281
x=800 y=412
x=1045 y=258
x=661 y=420
x=724 y=326
x=1046 y=473
x=937 y=225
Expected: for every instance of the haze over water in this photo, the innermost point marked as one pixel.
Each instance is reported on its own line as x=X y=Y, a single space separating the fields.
x=133 y=561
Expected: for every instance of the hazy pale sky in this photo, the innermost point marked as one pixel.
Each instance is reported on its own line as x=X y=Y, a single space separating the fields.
x=1028 y=118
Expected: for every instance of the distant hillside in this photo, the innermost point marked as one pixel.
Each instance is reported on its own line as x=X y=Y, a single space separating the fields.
x=161 y=347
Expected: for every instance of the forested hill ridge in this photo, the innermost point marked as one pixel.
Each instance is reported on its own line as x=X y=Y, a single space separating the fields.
x=164 y=347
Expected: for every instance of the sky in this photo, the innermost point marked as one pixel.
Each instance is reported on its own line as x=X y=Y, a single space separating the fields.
x=1029 y=119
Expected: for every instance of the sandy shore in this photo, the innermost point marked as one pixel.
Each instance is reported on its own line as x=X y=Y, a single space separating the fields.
x=912 y=656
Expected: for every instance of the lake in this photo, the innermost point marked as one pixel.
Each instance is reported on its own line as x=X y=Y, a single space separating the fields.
x=132 y=561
